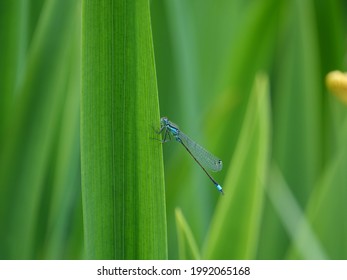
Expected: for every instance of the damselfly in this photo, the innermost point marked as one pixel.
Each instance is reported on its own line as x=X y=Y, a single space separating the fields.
x=205 y=159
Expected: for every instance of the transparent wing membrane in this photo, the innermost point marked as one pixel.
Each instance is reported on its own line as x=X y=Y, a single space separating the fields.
x=206 y=159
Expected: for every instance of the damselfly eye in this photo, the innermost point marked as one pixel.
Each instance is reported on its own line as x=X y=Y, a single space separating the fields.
x=164 y=120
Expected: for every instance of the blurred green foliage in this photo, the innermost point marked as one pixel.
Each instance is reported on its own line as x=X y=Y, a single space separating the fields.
x=281 y=135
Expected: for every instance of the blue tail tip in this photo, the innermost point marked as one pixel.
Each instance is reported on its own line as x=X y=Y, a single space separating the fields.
x=219 y=188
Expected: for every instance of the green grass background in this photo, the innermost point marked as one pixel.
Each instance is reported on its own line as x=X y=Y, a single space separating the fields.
x=82 y=85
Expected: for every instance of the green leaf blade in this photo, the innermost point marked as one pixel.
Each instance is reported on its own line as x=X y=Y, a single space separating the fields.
x=122 y=168
x=235 y=226
x=188 y=248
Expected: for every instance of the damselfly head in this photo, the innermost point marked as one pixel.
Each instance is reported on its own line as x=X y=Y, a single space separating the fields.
x=164 y=121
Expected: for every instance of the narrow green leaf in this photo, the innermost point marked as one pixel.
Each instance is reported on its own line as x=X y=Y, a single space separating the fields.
x=188 y=249
x=122 y=168
x=297 y=145
x=65 y=203
x=327 y=207
x=235 y=226
x=302 y=236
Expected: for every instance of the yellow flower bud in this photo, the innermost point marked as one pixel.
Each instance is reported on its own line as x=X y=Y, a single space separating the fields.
x=336 y=82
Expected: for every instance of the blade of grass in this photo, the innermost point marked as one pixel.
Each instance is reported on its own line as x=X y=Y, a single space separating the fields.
x=235 y=226
x=297 y=140
x=186 y=238
x=296 y=223
x=327 y=206
x=66 y=188
x=122 y=168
